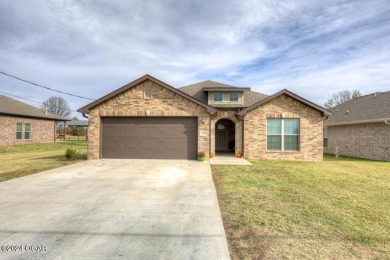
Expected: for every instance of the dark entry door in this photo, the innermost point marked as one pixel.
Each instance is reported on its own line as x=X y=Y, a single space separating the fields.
x=221 y=137
x=149 y=138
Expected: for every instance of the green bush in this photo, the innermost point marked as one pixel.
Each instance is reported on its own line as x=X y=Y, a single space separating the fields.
x=71 y=153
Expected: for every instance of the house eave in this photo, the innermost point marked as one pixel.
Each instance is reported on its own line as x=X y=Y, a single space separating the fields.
x=323 y=111
x=223 y=89
x=35 y=117
x=380 y=120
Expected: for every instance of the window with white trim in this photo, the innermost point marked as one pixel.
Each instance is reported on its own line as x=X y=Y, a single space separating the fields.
x=218 y=96
x=27 y=131
x=325 y=137
x=233 y=96
x=19 y=129
x=283 y=134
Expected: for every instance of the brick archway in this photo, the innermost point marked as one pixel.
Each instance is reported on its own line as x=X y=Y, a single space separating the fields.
x=225 y=136
x=231 y=116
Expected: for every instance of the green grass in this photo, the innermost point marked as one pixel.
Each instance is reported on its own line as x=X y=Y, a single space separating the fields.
x=21 y=160
x=335 y=209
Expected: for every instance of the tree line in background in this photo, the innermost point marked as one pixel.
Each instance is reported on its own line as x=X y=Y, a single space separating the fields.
x=341 y=97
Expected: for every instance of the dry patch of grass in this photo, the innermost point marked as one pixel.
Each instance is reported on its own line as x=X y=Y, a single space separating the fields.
x=311 y=210
x=21 y=160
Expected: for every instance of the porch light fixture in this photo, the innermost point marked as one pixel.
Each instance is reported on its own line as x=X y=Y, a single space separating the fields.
x=203 y=120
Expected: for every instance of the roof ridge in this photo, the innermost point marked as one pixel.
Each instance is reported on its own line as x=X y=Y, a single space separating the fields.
x=211 y=81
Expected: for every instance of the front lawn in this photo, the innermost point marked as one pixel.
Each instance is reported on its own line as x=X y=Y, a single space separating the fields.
x=21 y=160
x=335 y=209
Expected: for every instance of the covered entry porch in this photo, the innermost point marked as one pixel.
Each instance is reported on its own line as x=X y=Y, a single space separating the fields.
x=225 y=135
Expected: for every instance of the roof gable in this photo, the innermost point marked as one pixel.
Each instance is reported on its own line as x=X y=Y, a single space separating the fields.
x=288 y=93
x=198 y=91
x=85 y=109
x=9 y=106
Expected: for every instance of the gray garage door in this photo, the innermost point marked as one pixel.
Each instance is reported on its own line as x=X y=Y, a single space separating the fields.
x=149 y=138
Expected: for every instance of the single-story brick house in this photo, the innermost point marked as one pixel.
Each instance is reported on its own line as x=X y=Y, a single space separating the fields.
x=24 y=124
x=360 y=128
x=150 y=119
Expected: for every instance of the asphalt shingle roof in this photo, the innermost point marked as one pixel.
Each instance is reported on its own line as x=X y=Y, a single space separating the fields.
x=369 y=107
x=196 y=91
x=11 y=106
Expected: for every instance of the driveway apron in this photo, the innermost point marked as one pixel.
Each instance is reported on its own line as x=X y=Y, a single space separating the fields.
x=112 y=209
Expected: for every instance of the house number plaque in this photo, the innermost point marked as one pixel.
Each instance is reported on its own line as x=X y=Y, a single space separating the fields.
x=203 y=133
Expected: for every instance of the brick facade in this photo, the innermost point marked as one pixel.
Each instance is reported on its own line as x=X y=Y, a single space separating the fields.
x=132 y=103
x=41 y=130
x=165 y=102
x=311 y=130
x=370 y=141
x=238 y=128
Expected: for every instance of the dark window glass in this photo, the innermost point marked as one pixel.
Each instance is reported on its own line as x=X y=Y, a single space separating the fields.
x=274 y=142
x=325 y=137
x=283 y=134
x=217 y=96
x=27 y=131
x=233 y=96
x=19 y=127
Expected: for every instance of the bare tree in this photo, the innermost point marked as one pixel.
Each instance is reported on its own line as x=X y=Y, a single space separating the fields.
x=341 y=97
x=57 y=106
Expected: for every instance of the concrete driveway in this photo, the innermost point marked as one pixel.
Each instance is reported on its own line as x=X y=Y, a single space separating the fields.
x=110 y=209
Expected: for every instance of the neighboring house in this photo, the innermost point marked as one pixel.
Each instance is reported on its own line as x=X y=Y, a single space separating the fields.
x=360 y=128
x=24 y=124
x=149 y=119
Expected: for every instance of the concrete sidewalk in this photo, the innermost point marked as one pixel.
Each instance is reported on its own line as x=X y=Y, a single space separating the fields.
x=112 y=209
x=228 y=159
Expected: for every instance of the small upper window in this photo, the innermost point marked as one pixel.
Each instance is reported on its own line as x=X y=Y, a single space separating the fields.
x=233 y=96
x=27 y=131
x=19 y=127
x=221 y=127
x=217 y=96
x=148 y=93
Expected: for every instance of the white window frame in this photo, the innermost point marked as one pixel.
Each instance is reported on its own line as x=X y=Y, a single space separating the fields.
x=326 y=137
x=21 y=131
x=282 y=135
x=238 y=97
x=221 y=96
x=25 y=131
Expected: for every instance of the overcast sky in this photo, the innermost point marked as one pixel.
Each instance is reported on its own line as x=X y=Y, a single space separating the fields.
x=90 y=48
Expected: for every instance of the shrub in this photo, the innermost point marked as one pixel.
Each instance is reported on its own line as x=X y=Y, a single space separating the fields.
x=71 y=153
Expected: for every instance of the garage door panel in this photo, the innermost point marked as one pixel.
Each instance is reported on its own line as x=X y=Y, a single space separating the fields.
x=160 y=143
x=164 y=132
x=181 y=154
x=114 y=142
x=138 y=131
x=149 y=138
x=135 y=143
x=159 y=153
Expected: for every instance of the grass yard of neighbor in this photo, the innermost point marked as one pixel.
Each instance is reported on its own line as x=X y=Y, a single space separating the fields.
x=335 y=209
x=21 y=160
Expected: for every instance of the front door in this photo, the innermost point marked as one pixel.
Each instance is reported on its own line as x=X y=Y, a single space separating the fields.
x=221 y=138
